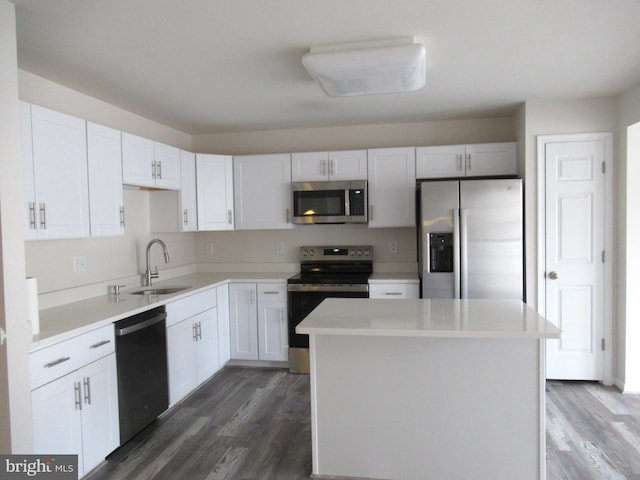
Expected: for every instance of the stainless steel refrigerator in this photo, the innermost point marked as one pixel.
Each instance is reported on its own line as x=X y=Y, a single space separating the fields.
x=471 y=239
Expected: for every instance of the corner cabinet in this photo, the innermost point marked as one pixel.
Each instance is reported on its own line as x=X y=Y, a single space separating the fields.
x=320 y=166
x=262 y=191
x=214 y=180
x=258 y=321
x=74 y=398
x=392 y=187
x=476 y=160
x=56 y=190
x=146 y=163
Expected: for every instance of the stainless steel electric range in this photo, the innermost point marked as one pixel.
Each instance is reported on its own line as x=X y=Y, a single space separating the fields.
x=325 y=271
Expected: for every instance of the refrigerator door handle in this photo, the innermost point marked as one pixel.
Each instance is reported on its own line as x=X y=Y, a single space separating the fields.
x=464 y=273
x=456 y=253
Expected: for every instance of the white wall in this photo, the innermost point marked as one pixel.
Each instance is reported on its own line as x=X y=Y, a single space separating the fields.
x=628 y=301
x=562 y=117
x=447 y=132
x=13 y=301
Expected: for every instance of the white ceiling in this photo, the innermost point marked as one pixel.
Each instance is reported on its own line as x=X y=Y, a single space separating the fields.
x=209 y=66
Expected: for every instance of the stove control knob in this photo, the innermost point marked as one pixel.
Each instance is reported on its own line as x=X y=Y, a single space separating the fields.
x=312 y=252
x=359 y=253
x=352 y=253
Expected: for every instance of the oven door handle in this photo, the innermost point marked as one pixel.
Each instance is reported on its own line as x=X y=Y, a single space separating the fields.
x=328 y=288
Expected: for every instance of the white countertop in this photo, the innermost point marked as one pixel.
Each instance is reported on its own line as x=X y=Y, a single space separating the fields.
x=65 y=321
x=393 y=277
x=427 y=318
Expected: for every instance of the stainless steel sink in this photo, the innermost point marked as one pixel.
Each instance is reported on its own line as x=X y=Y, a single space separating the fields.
x=159 y=290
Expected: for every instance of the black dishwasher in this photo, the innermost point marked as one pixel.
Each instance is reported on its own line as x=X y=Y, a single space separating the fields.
x=141 y=355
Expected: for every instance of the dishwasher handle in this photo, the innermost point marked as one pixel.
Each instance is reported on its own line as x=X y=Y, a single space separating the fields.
x=157 y=318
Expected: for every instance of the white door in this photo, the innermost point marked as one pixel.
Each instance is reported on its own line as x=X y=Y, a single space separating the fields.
x=262 y=191
x=188 y=199
x=100 y=421
x=392 y=187
x=106 y=203
x=574 y=257
x=207 y=346
x=167 y=160
x=137 y=161
x=60 y=169
x=181 y=359
x=214 y=179
x=243 y=321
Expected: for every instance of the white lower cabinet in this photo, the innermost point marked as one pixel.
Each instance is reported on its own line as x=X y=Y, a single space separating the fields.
x=192 y=342
x=224 y=341
x=192 y=353
x=78 y=414
x=394 y=290
x=258 y=321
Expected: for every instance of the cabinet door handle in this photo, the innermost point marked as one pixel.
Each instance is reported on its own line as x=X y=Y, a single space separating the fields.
x=77 y=395
x=331 y=170
x=270 y=293
x=43 y=216
x=185 y=216
x=230 y=216
x=459 y=158
x=160 y=170
x=32 y=215
x=56 y=362
x=122 y=216
x=370 y=213
x=393 y=293
x=87 y=390
x=468 y=161
x=104 y=342
x=288 y=216
x=323 y=167
x=194 y=332
x=153 y=170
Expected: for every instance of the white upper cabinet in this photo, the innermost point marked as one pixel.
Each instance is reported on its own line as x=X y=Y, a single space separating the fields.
x=56 y=181
x=262 y=191
x=149 y=164
x=137 y=161
x=167 y=161
x=392 y=187
x=214 y=178
x=476 y=160
x=106 y=202
x=188 y=200
x=320 y=166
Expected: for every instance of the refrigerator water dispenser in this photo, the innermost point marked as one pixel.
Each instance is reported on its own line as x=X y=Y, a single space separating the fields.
x=441 y=252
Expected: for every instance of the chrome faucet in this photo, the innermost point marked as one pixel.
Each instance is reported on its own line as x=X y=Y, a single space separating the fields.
x=149 y=274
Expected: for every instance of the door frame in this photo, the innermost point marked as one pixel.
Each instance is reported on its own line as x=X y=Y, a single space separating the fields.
x=607 y=138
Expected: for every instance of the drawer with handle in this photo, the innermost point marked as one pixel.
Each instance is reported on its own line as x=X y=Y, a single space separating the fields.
x=64 y=357
x=272 y=292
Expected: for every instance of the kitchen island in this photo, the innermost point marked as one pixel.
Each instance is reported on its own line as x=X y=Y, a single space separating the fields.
x=427 y=389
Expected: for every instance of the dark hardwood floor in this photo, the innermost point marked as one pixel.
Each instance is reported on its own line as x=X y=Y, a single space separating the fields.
x=254 y=424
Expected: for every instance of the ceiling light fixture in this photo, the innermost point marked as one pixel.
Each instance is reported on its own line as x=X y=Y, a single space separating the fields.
x=367 y=68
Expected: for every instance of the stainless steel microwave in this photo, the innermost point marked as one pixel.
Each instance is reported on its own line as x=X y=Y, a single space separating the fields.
x=330 y=202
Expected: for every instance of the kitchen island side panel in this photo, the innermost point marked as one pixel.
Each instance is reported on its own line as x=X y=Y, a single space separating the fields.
x=439 y=408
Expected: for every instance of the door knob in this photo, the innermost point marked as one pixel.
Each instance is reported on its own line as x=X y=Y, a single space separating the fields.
x=553 y=275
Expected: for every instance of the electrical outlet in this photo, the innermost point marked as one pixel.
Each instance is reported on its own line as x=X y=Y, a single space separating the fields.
x=280 y=248
x=393 y=246
x=80 y=264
